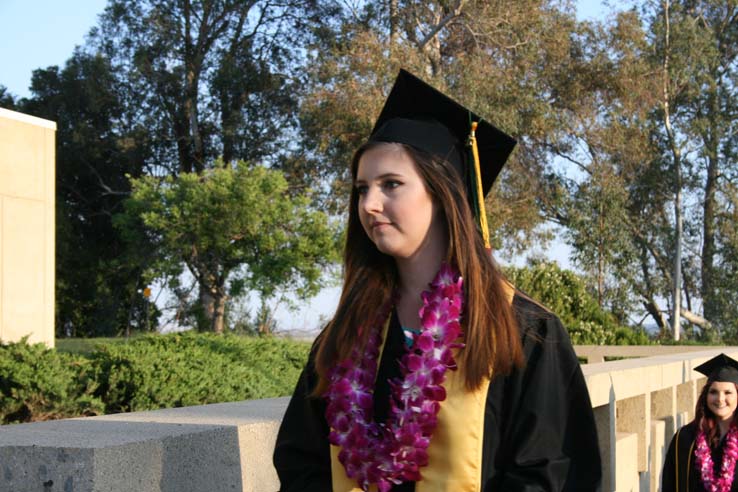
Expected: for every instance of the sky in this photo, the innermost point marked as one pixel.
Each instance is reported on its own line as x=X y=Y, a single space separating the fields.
x=40 y=33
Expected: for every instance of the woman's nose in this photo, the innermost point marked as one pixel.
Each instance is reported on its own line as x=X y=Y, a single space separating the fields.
x=372 y=202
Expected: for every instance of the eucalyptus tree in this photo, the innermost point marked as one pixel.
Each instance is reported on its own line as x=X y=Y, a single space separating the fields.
x=209 y=78
x=697 y=44
x=495 y=57
x=636 y=103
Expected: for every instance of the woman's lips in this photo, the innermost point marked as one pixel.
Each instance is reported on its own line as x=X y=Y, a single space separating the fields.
x=379 y=225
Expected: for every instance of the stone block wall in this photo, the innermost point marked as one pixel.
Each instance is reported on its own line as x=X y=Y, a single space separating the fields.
x=27 y=167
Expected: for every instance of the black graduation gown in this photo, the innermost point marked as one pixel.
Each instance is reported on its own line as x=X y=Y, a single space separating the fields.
x=539 y=429
x=680 y=473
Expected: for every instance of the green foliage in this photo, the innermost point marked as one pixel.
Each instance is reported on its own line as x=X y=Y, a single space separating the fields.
x=235 y=223
x=565 y=294
x=194 y=369
x=84 y=346
x=7 y=100
x=208 y=78
x=38 y=383
x=501 y=69
x=145 y=373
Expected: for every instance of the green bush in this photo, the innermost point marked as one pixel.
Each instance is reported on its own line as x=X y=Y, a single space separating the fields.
x=145 y=373
x=565 y=293
x=38 y=383
x=194 y=369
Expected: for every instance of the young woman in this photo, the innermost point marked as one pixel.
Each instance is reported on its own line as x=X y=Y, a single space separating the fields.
x=434 y=374
x=703 y=453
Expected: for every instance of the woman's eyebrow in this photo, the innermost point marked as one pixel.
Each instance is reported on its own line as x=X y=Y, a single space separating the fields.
x=382 y=176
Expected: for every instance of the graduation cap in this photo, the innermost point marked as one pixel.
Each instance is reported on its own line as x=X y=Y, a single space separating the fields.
x=721 y=368
x=416 y=114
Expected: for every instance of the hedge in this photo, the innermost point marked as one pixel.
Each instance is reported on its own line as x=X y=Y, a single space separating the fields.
x=146 y=373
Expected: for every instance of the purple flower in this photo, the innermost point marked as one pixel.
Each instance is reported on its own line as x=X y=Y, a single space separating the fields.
x=391 y=453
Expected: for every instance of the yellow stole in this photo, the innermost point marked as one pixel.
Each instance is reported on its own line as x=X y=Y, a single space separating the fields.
x=455 y=451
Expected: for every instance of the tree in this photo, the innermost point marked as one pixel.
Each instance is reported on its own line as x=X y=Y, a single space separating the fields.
x=7 y=100
x=495 y=57
x=98 y=278
x=208 y=78
x=566 y=294
x=696 y=42
x=608 y=195
x=634 y=100
x=235 y=225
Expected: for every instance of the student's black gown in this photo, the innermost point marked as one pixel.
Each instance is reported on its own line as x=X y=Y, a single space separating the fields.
x=539 y=429
x=680 y=473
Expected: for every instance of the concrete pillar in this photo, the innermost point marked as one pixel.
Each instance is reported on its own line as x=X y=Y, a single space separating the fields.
x=634 y=416
x=664 y=408
x=686 y=397
x=659 y=444
x=605 y=420
x=626 y=473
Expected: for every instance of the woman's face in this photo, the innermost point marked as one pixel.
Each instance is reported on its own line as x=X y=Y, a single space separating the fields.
x=722 y=400
x=395 y=208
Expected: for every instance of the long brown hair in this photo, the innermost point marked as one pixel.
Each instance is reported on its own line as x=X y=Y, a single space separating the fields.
x=706 y=420
x=491 y=331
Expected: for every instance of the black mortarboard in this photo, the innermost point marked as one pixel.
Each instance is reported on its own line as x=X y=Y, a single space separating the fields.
x=721 y=368
x=418 y=115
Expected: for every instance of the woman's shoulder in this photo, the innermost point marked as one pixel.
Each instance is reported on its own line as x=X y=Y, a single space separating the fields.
x=536 y=320
x=688 y=431
x=685 y=434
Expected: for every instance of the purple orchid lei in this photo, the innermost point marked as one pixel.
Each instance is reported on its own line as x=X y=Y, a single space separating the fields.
x=393 y=452
x=724 y=481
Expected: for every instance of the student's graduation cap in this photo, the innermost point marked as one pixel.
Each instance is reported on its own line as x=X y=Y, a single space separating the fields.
x=418 y=115
x=720 y=368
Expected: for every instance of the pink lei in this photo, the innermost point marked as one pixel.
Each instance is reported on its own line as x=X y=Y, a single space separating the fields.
x=724 y=481
x=394 y=452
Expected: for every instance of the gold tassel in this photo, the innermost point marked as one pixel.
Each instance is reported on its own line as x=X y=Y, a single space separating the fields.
x=480 y=194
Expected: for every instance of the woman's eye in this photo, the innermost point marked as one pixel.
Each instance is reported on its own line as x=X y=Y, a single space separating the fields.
x=391 y=184
x=361 y=189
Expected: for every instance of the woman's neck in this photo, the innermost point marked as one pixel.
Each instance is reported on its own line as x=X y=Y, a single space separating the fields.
x=414 y=275
x=417 y=271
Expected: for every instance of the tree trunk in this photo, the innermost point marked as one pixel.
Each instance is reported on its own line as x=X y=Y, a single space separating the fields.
x=676 y=160
x=601 y=260
x=709 y=210
x=208 y=305
x=393 y=22
x=219 y=301
x=696 y=319
x=653 y=309
x=677 y=289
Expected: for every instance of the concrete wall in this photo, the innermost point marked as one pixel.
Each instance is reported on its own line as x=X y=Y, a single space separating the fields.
x=26 y=227
x=600 y=353
x=209 y=448
x=638 y=403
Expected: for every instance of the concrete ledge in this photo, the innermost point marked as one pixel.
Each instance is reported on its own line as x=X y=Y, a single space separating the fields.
x=226 y=446
x=598 y=353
